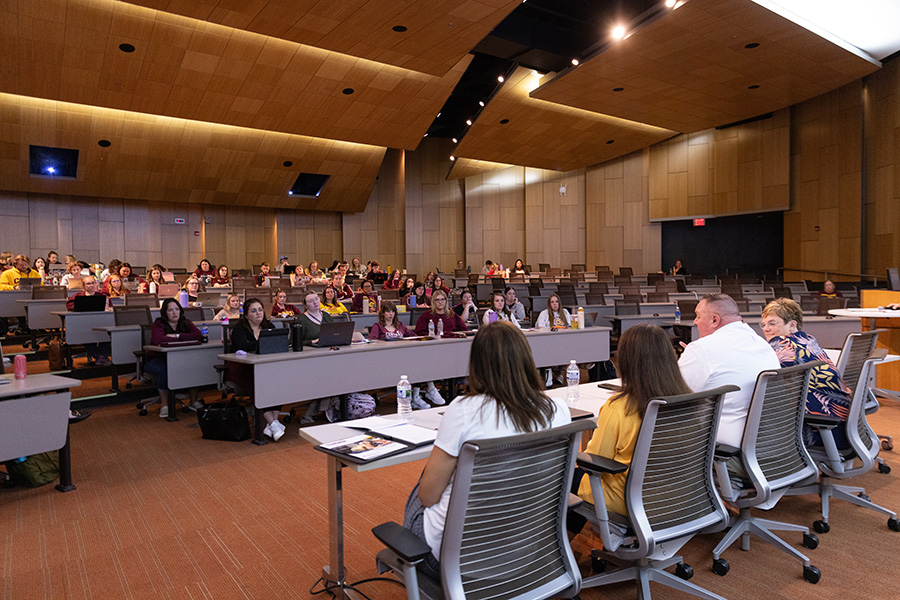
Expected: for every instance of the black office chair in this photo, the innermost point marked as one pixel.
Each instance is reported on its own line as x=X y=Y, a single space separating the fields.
x=771 y=459
x=826 y=304
x=669 y=494
x=504 y=536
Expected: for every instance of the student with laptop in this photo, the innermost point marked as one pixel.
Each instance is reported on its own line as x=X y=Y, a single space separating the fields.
x=99 y=353
x=171 y=326
x=245 y=337
x=9 y=279
x=72 y=279
x=155 y=278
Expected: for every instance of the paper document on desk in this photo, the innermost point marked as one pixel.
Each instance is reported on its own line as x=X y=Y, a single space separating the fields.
x=407 y=432
x=361 y=448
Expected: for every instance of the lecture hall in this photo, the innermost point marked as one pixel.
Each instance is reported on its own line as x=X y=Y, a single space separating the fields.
x=463 y=299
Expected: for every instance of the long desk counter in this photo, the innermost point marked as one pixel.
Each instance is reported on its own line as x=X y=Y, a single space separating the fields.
x=34 y=418
x=380 y=364
x=9 y=307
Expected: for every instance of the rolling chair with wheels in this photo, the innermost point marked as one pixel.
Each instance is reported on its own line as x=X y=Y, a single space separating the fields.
x=771 y=459
x=858 y=459
x=669 y=494
x=504 y=536
x=130 y=315
x=141 y=375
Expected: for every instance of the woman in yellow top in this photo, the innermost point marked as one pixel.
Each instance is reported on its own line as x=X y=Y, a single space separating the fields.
x=330 y=303
x=648 y=369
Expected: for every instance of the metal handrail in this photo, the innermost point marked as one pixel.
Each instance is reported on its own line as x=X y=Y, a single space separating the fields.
x=827 y=274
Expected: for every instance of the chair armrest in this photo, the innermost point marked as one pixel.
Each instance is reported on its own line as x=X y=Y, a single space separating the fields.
x=593 y=463
x=726 y=451
x=878 y=354
x=403 y=542
x=822 y=421
x=574 y=501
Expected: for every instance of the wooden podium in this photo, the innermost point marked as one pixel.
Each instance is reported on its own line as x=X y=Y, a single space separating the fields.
x=888 y=375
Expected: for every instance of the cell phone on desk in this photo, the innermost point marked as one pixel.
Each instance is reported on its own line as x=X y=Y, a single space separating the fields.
x=609 y=386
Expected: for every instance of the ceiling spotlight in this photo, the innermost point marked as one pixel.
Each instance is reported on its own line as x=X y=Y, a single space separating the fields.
x=671 y=3
x=618 y=32
x=439 y=116
x=500 y=78
x=51 y=170
x=575 y=62
x=452 y=158
x=426 y=135
x=481 y=103
x=455 y=140
x=468 y=121
x=290 y=193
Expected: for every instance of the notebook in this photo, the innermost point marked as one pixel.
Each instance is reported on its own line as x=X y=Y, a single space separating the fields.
x=339 y=333
x=95 y=303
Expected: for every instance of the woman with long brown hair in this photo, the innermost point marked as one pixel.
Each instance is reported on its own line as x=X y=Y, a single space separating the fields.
x=506 y=397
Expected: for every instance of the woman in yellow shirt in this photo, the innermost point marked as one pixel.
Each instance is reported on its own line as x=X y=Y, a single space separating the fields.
x=330 y=303
x=648 y=369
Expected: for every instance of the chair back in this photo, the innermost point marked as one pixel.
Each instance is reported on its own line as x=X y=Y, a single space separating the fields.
x=49 y=292
x=856 y=349
x=622 y=280
x=498 y=283
x=626 y=271
x=657 y=296
x=132 y=315
x=743 y=304
x=151 y=300
x=826 y=304
x=669 y=491
x=195 y=314
x=598 y=287
x=579 y=267
x=624 y=307
x=505 y=531
x=688 y=309
x=632 y=298
x=460 y=272
x=542 y=267
x=592 y=299
x=772 y=447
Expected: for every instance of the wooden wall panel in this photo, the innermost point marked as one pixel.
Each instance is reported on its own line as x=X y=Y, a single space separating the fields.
x=436 y=213
x=738 y=170
x=822 y=229
x=882 y=144
x=618 y=231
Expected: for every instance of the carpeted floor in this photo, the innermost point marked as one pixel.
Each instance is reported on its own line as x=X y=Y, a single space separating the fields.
x=161 y=513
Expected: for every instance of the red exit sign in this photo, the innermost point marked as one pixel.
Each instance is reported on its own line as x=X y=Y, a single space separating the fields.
x=699 y=222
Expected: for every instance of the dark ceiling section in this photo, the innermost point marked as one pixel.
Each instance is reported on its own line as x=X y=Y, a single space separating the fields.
x=544 y=35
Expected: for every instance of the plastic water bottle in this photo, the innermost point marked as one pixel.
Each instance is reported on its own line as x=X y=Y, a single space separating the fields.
x=241 y=311
x=224 y=318
x=580 y=317
x=572 y=380
x=404 y=399
x=204 y=331
x=431 y=333
x=183 y=298
x=677 y=313
x=440 y=328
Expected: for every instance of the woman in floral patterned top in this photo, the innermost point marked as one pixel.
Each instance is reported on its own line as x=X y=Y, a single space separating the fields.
x=782 y=320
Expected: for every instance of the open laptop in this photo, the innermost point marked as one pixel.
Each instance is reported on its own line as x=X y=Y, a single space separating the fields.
x=95 y=303
x=210 y=299
x=26 y=283
x=338 y=333
x=272 y=341
x=168 y=290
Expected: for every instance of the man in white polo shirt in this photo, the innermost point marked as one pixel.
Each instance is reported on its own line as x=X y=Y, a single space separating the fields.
x=728 y=352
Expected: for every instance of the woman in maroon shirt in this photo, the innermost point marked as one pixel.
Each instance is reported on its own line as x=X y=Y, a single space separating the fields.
x=394 y=282
x=282 y=309
x=171 y=326
x=222 y=278
x=366 y=294
x=204 y=268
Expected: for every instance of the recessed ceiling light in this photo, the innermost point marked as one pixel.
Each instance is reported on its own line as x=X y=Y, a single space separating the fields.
x=426 y=134
x=288 y=163
x=126 y=47
x=104 y=143
x=618 y=32
x=610 y=141
x=504 y=121
x=575 y=61
x=619 y=89
x=752 y=45
x=671 y=3
x=452 y=158
x=500 y=78
x=347 y=91
x=481 y=103
x=51 y=170
x=752 y=87
x=455 y=140
x=399 y=28
x=468 y=121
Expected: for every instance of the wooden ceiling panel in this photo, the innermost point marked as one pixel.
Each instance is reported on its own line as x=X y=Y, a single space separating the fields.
x=546 y=135
x=466 y=167
x=163 y=158
x=207 y=72
x=690 y=70
x=439 y=32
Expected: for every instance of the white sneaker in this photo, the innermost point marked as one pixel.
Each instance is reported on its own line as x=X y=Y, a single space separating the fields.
x=548 y=378
x=418 y=403
x=277 y=430
x=268 y=430
x=435 y=397
x=164 y=411
x=196 y=405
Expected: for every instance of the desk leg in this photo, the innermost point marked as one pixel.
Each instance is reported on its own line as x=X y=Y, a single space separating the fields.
x=65 y=468
x=173 y=416
x=334 y=574
x=115 y=378
x=258 y=437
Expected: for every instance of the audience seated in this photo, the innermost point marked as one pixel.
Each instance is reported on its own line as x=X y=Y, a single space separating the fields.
x=169 y=327
x=331 y=303
x=828 y=290
x=231 y=310
x=499 y=311
x=388 y=327
x=155 y=278
x=312 y=318
x=516 y=308
x=205 y=269
x=467 y=310
x=263 y=273
x=222 y=278
x=21 y=267
x=366 y=295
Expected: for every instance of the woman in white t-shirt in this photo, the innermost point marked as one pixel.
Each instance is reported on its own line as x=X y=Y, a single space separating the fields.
x=554 y=315
x=507 y=397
